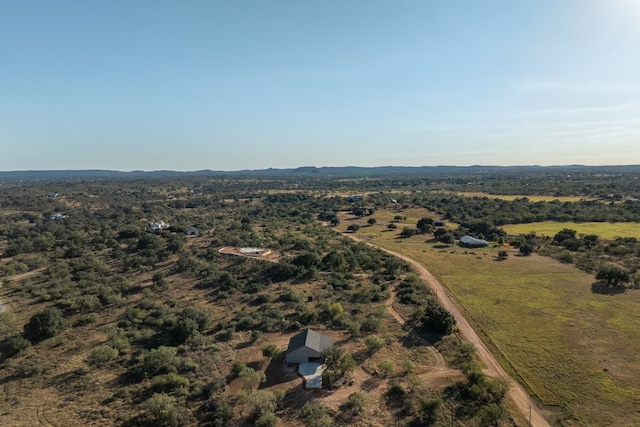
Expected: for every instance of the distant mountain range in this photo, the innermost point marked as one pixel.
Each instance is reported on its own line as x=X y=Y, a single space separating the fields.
x=343 y=171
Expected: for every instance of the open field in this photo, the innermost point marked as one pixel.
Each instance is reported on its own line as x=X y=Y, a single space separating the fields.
x=605 y=230
x=574 y=349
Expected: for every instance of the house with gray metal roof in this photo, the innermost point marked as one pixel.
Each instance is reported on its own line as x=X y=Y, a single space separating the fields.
x=307 y=346
x=472 y=242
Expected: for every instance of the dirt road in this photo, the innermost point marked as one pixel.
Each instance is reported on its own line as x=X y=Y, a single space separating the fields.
x=526 y=406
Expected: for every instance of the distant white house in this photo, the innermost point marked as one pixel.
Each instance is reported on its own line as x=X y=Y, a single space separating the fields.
x=160 y=225
x=307 y=346
x=192 y=231
x=53 y=195
x=57 y=216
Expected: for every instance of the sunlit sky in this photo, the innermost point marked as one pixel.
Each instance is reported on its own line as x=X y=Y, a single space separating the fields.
x=229 y=85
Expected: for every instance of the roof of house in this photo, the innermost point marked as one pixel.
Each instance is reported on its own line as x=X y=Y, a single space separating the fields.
x=472 y=241
x=311 y=339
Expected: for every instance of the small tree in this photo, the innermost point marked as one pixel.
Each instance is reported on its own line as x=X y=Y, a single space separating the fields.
x=43 y=325
x=252 y=378
x=347 y=363
x=407 y=232
x=526 y=249
x=425 y=225
x=613 y=276
x=331 y=356
x=438 y=319
x=353 y=228
x=447 y=239
x=371 y=221
x=502 y=255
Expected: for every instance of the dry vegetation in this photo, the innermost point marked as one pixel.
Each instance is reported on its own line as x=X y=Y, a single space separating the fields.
x=156 y=328
x=110 y=325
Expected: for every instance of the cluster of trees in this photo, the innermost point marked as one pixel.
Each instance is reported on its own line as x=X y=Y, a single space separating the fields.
x=466 y=210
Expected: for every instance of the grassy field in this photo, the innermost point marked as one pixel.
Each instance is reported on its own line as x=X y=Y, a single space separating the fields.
x=574 y=349
x=605 y=230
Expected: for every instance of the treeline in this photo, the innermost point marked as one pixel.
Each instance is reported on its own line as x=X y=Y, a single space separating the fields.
x=465 y=210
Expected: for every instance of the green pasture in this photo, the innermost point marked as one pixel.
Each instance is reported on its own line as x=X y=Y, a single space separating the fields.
x=575 y=350
x=606 y=230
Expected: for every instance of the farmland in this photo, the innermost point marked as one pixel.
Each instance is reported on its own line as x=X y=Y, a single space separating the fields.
x=606 y=230
x=573 y=348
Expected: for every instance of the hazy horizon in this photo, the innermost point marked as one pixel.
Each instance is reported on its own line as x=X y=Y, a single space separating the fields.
x=320 y=167
x=187 y=86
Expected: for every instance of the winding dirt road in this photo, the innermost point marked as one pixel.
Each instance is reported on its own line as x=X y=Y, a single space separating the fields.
x=517 y=394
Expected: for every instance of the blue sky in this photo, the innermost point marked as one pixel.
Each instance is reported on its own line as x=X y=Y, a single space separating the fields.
x=228 y=85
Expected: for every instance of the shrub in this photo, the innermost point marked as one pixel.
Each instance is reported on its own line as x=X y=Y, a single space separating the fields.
x=102 y=355
x=160 y=360
x=17 y=344
x=271 y=350
x=267 y=420
x=163 y=408
x=315 y=415
x=87 y=303
x=237 y=368
x=374 y=343
x=170 y=383
x=357 y=401
x=429 y=409
x=386 y=367
x=7 y=319
x=28 y=369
